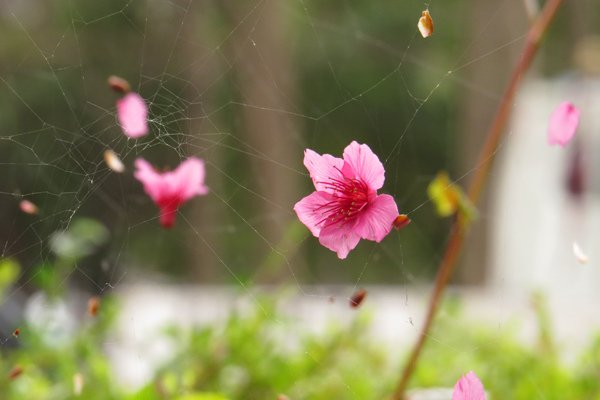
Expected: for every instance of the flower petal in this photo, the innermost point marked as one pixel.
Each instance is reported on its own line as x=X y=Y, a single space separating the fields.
x=425 y=24
x=310 y=210
x=469 y=387
x=377 y=220
x=154 y=183
x=322 y=168
x=132 y=113
x=188 y=179
x=563 y=124
x=366 y=165
x=339 y=238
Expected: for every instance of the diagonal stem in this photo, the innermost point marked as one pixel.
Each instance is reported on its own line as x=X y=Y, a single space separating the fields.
x=486 y=156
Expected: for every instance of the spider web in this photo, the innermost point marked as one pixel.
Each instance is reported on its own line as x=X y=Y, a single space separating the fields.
x=246 y=87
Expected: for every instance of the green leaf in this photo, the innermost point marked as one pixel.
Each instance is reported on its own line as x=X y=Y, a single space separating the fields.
x=9 y=273
x=449 y=199
x=81 y=239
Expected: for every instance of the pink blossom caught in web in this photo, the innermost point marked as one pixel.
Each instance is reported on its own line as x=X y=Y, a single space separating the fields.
x=468 y=387
x=28 y=207
x=132 y=113
x=345 y=206
x=563 y=124
x=171 y=189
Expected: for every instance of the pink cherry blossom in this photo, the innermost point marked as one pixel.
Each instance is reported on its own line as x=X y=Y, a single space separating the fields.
x=132 y=113
x=171 y=189
x=345 y=206
x=468 y=387
x=563 y=124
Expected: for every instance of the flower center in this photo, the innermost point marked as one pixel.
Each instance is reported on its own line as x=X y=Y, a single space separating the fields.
x=350 y=197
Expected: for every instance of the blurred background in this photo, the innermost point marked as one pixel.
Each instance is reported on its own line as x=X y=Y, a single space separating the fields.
x=247 y=86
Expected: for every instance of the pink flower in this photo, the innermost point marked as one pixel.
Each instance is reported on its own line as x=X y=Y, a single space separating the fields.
x=171 y=189
x=563 y=123
x=468 y=387
x=345 y=206
x=132 y=113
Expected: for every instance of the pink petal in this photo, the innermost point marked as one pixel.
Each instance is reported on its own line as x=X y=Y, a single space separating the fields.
x=563 y=124
x=469 y=387
x=310 y=210
x=28 y=207
x=365 y=164
x=188 y=179
x=132 y=113
x=339 y=238
x=322 y=168
x=153 y=182
x=377 y=220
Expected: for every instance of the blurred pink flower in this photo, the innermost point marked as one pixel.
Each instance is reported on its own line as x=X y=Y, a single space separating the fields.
x=171 y=189
x=563 y=123
x=132 y=113
x=468 y=387
x=345 y=206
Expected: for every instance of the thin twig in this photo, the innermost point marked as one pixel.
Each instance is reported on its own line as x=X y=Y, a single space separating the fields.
x=486 y=156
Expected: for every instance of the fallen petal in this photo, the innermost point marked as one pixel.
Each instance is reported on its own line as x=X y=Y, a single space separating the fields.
x=425 y=24
x=28 y=207
x=563 y=124
x=113 y=162
x=579 y=254
x=132 y=113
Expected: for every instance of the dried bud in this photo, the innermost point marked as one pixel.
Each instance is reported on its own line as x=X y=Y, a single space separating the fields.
x=93 y=306
x=28 y=207
x=17 y=332
x=118 y=84
x=112 y=160
x=401 y=221
x=15 y=372
x=425 y=24
x=357 y=298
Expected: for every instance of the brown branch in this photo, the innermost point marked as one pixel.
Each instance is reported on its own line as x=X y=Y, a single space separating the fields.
x=486 y=157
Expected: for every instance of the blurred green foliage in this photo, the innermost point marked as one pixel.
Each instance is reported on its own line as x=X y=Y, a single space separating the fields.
x=252 y=357
x=9 y=273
